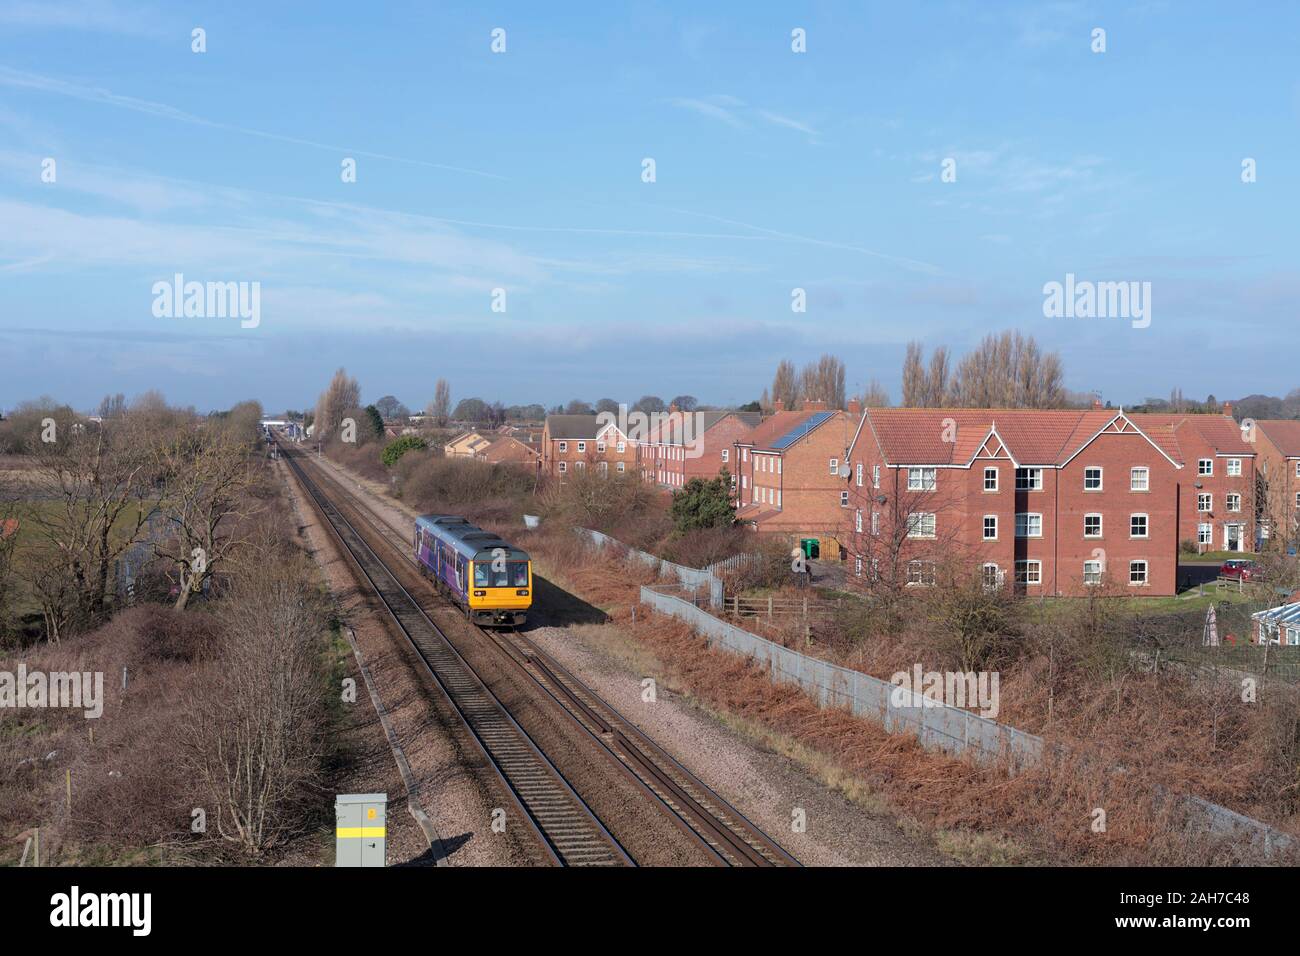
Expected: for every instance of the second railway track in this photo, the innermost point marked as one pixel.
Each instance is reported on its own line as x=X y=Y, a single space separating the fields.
x=727 y=837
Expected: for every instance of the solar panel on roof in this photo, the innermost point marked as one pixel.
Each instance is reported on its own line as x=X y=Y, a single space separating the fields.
x=803 y=428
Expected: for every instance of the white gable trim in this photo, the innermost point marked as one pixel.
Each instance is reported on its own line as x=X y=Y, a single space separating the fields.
x=993 y=456
x=1127 y=428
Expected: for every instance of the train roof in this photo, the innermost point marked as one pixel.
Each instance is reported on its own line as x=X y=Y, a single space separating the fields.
x=469 y=540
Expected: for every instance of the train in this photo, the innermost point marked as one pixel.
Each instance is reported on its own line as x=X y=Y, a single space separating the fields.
x=489 y=579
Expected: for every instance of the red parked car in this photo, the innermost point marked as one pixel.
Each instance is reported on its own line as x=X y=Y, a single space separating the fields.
x=1241 y=568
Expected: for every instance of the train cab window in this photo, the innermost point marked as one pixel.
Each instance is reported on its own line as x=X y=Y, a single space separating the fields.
x=519 y=574
x=483 y=574
x=513 y=575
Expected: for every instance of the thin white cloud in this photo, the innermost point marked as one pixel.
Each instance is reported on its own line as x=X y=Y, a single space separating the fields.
x=19 y=79
x=99 y=16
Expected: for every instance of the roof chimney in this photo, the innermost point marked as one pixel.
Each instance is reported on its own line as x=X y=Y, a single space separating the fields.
x=811 y=405
x=1227 y=409
x=855 y=407
x=672 y=408
x=1096 y=401
x=778 y=405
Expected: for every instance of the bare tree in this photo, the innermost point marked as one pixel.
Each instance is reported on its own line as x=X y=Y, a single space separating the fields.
x=823 y=381
x=342 y=395
x=1009 y=371
x=785 y=385
x=208 y=475
x=914 y=381
x=875 y=395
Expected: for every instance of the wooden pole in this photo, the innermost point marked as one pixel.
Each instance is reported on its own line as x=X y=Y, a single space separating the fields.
x=69 y=786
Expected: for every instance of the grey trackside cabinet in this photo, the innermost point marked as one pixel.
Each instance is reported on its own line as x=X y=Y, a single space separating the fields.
x=360 y=834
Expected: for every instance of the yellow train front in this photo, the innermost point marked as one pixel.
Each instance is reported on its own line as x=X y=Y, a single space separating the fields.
x=490 y=579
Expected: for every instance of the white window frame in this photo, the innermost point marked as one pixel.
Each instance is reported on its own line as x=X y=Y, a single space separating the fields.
x=1146 y=524
x=1101 y=525
x=1097 y=469
x=917 y=573
x=875 y=522
x=1134 y=473
x=1205 y=467
x=985 y=568
x=922 y=479
x=857 y=521
x=582 y=447
x=1033 y=479
x=1204 y=533
x=1092 y=569
x=1234 y=468
x=1206 y=497
x=621 y=447
x=564 y=467
x=1229 y=498
x=564 y=447
x=994 y=535
x=1027 y=515
x=875 y=474
x=991 y=471
x=620 y=469
x=725 y=453
x=1145 y=572
x=835 y=466
x=600 y=447
x=859 y=474
x=1026 y=568
x=917 y=522
x=844 y=499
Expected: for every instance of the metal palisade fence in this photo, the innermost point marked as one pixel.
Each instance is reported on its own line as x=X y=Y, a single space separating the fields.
x=695 y=579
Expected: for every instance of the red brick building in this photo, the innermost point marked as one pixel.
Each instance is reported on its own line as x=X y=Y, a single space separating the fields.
x=788 y=477
x=686 y=445
x=1277 y=443
x=1048 y=501
x=572 y=443
x=510 y=450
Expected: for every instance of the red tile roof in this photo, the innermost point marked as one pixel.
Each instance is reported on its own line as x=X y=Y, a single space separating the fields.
x=1284 y=433
x=774 y=427
x=944 y=436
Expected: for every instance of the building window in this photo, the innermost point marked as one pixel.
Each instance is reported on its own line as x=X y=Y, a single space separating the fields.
x=920 y=572
x=564 y=446
x=1137 y=573
x=1205 y=466
x=1204 y=533
x=857 y=566
x=875 y=474
x=580 y=465
x=1092 y=479
x=844 y=499
x=1234 y=467
x=600 y=447
x=602 y=467
x=1234 y=502
x=1029 y=525
x=1297 y=499
x=859 y=474
x=778 y=466
x=582 y=447
x=992 y=577
x=1029 y=479
x=725 y=453
x=1205 y=502
x=857 y=521
x=1137 y=526
x=920 y=525
x=1029 y=572
x=1139 y=479
x=875 y=522
x=620 y=468
x=1092 y=526
x=990 y=527
x=564 y=466
x=835 y=466
x=622 y=447
x=1297 y=469
x=744 y=454
x=921 y=479
x=1092 y=573
x=990 y=479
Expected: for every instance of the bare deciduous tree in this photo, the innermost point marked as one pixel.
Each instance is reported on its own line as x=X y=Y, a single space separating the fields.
x=823 y=381
x=332 y=407
x=785 y=385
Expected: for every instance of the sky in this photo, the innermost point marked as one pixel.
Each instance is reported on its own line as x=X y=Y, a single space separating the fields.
x=920 y=170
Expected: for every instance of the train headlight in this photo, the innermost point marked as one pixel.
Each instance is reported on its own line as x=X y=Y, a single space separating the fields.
x=523 y=593
x=480 y=594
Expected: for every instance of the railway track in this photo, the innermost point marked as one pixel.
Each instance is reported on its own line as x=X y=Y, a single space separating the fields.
x=699 y=812
x=566 y=826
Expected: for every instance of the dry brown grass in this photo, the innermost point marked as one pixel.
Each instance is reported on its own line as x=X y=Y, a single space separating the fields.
x=1171 y=735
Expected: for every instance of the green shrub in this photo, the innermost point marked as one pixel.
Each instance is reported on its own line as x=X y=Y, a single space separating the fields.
x=394 y=450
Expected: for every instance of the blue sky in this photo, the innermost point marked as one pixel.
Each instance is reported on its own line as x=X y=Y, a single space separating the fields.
x=522 y=171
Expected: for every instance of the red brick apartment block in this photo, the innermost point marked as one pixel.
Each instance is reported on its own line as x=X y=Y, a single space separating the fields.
x=1277 y=442
x=788 y=477
x=571 y=443
x=686 y=445
x=1046 y=501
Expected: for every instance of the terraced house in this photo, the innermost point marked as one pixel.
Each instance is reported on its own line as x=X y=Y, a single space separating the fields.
x=573 y=443
x=788 y=479
x=686 y=445
x=1277 y=442
x=1045 y=501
